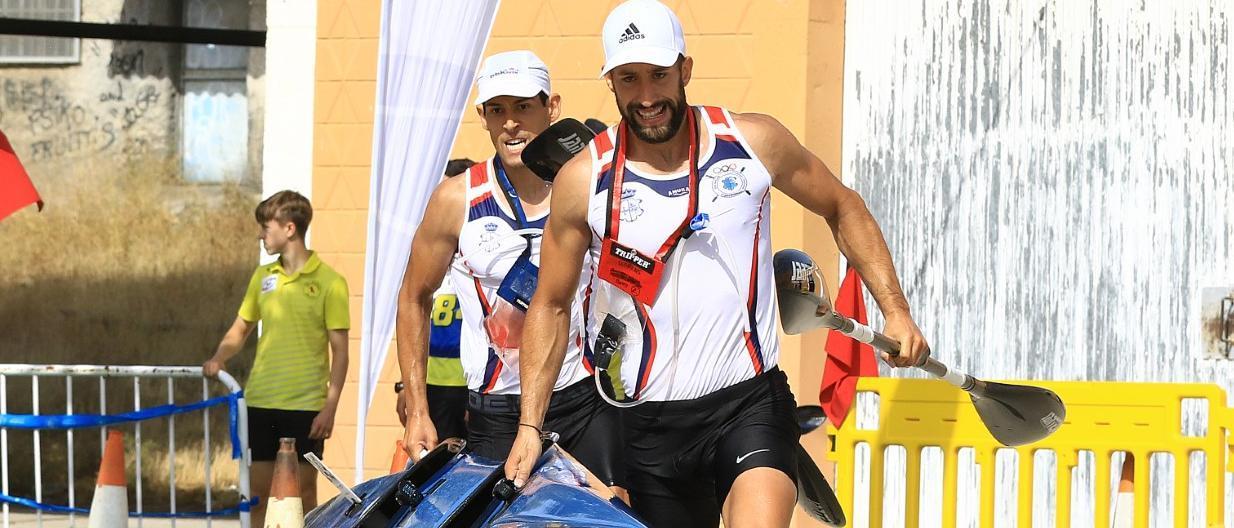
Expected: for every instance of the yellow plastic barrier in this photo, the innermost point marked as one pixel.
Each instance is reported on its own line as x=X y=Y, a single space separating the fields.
x=1102 y=417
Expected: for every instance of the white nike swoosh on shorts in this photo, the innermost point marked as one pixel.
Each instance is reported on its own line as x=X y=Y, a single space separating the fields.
x=747 y=455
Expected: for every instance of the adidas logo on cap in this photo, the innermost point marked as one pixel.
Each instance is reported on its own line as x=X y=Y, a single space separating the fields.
x=641 y=31
x=631 y=33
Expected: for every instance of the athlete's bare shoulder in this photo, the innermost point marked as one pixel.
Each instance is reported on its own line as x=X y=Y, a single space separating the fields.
x=754 y=121
x=454 y=186
x=570 y=187
x=452 y=191
x=774 y=144
x=445 y=206
x=762 y=130
x=578 y=166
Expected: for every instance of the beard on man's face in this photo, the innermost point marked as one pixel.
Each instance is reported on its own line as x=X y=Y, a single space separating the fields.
x=657 y=134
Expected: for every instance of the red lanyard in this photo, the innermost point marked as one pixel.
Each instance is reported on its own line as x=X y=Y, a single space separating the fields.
x=613 y=226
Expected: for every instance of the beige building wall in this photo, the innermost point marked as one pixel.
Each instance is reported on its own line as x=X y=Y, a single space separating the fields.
x=782 y=58
x=347 y=32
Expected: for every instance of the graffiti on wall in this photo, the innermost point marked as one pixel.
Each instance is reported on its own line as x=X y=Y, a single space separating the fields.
x=54 y=124
x=127 y=64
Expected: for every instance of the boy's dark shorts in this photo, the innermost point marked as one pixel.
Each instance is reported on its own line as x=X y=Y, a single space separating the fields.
x=267 y=426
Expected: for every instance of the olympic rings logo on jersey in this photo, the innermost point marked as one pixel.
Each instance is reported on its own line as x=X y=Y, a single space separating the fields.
x=727 y=180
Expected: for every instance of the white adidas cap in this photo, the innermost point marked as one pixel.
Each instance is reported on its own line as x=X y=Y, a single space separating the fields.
x=517 y=73
x=642 y=31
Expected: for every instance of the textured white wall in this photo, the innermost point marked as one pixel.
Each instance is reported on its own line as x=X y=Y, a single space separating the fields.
x=1053 y=178
x=291 y=56
x=291 y=46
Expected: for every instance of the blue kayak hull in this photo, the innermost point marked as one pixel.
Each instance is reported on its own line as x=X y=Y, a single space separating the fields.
x=451 y=487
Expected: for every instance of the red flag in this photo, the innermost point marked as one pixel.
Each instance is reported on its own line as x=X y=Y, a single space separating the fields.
x=847 y=358
x=16 y=191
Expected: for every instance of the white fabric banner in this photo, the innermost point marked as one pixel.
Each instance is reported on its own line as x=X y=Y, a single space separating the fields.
x=429 y=54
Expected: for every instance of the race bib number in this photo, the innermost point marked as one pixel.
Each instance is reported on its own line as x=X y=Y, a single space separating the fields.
x=445 y=310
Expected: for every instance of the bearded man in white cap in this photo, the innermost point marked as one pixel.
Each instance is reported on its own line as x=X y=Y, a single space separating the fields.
x=483 y=229
x=671 y=208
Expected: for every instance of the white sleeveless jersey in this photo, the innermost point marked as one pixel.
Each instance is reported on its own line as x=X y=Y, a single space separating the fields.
x=488 y=245
x=726 y=311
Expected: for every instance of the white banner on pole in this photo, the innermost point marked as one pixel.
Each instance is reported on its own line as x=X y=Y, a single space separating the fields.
x=429 y=54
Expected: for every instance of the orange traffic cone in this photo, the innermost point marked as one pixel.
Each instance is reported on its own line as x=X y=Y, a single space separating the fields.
x=284 y=508
x=1124 y=502
x=399 y=463
x=110 y=506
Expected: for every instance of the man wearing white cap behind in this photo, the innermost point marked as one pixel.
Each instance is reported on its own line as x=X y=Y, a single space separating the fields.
x=671 y=209
x=481 y=231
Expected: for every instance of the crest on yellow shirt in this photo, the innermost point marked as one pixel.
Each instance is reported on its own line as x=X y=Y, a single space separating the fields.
x=311 y=289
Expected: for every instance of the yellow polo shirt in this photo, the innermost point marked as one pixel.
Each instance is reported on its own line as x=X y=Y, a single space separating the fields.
x=292 y=368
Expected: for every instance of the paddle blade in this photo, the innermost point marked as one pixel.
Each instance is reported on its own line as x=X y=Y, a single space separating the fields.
x=555 y=146
x=809 y=417
x=1017 y=414
x=814 y=494
x=595 y=125
x=800 y=291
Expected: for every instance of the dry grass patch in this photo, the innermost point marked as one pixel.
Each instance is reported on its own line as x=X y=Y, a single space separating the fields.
x=125 y=265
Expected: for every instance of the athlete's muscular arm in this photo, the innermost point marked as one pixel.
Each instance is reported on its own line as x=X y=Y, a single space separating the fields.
x=432 y=248
x=547 y=328
x=803 y=177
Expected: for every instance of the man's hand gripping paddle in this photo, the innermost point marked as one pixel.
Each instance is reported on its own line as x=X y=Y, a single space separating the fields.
x=1014 y=414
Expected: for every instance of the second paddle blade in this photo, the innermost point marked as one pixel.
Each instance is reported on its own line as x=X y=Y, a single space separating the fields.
x=1017 y=414
x=814 y=494
x=555 y=146
x=809 y=418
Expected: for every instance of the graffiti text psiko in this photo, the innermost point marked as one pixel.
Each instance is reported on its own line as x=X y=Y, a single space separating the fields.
x=57 y=125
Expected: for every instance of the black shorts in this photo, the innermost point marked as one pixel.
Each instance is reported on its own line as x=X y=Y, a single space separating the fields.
x=447 y=407
x=267 y=426
x=683 y=456
x=590 y=429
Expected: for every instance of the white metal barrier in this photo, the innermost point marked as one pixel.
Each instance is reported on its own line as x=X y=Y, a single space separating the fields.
x=137 y=374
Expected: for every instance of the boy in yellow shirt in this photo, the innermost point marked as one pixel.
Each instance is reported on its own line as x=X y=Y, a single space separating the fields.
x=293 y=390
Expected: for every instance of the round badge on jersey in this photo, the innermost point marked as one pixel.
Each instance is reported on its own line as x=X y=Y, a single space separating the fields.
x=312 y=289
x=728 y=179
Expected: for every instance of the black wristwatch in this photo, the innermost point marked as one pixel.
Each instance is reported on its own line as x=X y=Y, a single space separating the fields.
x=398 y=387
